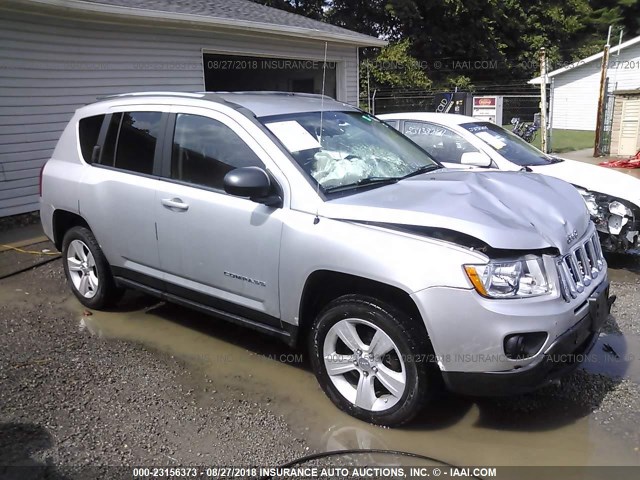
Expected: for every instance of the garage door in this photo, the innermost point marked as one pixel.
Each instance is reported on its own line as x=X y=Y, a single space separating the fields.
x=630 y=126
x=250 y=73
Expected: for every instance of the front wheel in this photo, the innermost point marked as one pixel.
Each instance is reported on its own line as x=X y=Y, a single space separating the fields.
x=372 y=360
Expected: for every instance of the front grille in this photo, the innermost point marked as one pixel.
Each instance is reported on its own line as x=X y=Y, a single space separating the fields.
x=580 y=267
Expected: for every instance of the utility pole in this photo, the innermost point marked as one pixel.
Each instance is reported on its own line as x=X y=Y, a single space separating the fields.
x=543 y=98
x=373 y=102
x=601 y=96
x=550 y=121
x=368 y=88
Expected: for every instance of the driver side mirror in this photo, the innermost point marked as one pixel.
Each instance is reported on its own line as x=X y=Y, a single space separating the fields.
x=476 y=159
x=252 y=182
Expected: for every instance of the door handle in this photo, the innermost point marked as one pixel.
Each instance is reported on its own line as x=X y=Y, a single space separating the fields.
x=175 y=204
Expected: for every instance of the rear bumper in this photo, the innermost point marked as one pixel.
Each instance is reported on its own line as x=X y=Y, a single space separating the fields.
x=563 y=356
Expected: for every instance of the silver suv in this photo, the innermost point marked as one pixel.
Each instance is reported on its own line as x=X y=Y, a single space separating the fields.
x=312 y=221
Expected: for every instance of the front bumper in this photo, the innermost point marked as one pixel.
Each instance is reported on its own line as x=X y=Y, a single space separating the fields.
x=563 y=356
x=468 y=332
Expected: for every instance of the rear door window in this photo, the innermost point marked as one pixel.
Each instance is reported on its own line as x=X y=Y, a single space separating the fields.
x=394 y=123
x=442 y=143
x=137 y=141
x=131 y=140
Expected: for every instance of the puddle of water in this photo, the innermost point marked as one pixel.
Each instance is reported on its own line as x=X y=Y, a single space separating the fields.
x=623 y=268
x=617 y=356
x=454 y=429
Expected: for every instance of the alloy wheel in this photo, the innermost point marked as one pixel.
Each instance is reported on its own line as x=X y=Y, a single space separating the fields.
x=364 y=364
x=82 y=269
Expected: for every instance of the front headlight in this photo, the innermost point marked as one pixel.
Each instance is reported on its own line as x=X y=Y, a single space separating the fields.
x=521 y=278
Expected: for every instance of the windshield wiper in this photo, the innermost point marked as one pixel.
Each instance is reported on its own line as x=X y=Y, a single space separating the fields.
x=378 y=181
x=422 y=169
x=549 y=159
x=365 y=182
x=555 y=160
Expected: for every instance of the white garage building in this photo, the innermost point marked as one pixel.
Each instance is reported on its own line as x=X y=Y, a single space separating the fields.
x=576 y=87
x=57 y=55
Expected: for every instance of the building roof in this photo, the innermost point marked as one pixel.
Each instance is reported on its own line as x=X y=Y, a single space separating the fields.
x=233 y=14
x=584 y=61
x=627 y=92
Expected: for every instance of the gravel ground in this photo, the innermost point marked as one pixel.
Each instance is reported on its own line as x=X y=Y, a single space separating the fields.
x=612 y=402
x=68 y=398
x=618 y=408
x=626 y=310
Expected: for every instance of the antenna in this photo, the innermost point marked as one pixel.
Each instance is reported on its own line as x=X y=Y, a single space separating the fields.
x=324 y=74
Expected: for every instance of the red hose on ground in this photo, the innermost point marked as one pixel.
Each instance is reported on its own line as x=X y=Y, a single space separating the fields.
x=632 y=162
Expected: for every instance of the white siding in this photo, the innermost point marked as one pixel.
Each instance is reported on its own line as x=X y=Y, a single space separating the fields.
x=575 y=98
x=575 y=101
x=50 y=66
x=624 y=71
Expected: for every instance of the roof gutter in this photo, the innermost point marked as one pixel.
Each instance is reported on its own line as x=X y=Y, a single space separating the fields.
x=584 y=61
x=156 y=15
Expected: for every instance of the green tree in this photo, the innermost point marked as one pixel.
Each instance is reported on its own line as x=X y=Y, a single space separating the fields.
x=309 y=8
x=622 y=14
x=371 y=17
x=393 y=66
x=490 y=41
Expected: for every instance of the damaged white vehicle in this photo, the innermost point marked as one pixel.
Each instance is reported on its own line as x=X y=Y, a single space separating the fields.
x=459 y=141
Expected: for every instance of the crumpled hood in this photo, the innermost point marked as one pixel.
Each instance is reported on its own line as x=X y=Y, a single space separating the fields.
x=506 y=210
x=594 y=178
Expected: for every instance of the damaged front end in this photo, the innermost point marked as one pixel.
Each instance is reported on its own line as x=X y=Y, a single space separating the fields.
x=617 y=221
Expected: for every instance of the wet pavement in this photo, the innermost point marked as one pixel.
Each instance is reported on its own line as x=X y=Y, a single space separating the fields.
x=586 y=156
x=591 y=419
x=550 y=429
x=23 y=244
x=14 y=259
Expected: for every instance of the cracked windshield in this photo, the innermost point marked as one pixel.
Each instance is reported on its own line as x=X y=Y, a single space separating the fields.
x=341 y=150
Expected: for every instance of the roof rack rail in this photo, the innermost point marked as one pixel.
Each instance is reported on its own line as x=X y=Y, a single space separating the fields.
x=275 y=92
x=155 y=94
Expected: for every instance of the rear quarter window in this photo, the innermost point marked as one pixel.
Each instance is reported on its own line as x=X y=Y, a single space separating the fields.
x=88 y=132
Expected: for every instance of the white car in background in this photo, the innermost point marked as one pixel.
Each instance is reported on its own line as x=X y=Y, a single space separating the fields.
x=459 y=141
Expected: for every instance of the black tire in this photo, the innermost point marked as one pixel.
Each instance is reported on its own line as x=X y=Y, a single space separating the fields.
x=422 y=380
x=106 y=294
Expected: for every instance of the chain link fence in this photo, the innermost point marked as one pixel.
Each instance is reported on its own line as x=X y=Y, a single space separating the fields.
x=521 y=100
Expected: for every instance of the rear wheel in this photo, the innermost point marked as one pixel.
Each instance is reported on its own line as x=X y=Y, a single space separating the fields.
x=87 y=269
x=372 y=360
